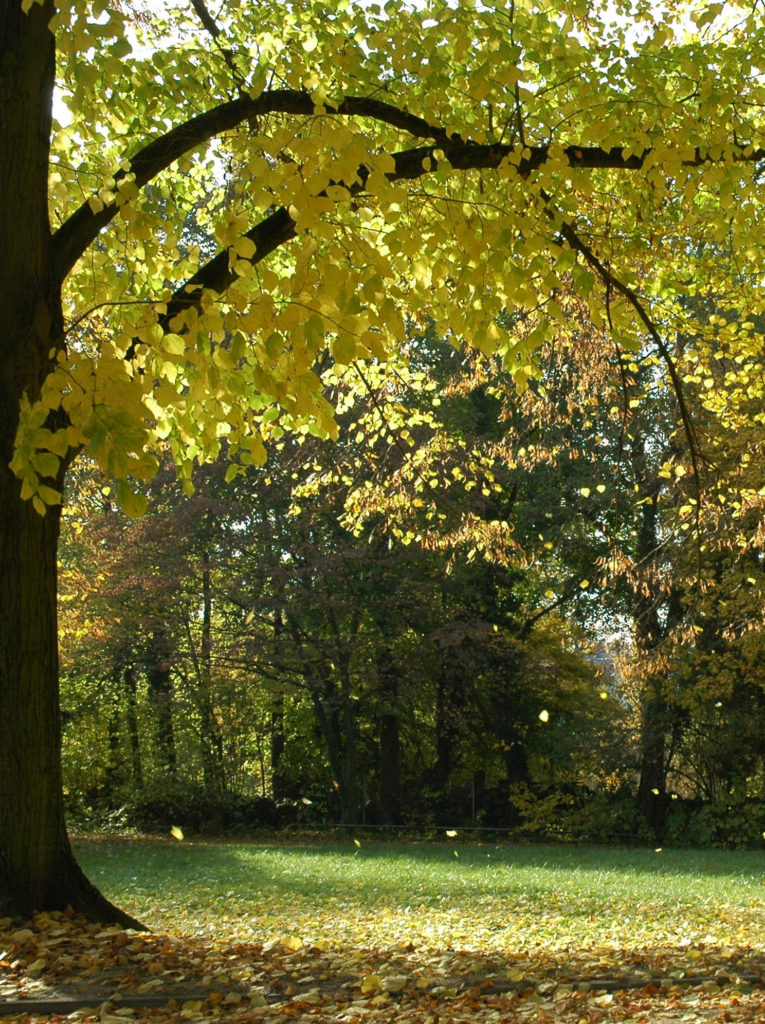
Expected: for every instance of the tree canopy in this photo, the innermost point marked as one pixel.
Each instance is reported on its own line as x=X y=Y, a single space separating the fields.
x=450 y=161
x=203 y=215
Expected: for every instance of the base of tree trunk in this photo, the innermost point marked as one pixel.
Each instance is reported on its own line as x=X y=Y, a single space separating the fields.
x=72 y=891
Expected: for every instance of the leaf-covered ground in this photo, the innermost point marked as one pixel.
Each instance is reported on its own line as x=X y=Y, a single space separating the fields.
x=420 y=933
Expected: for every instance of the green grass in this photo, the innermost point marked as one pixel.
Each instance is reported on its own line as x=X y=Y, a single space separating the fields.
x=487 y=897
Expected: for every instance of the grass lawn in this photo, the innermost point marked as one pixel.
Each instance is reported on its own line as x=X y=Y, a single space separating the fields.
x=403 y=933
x=472 y=897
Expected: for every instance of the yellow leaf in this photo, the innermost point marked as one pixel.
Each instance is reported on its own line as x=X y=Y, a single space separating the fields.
x=544 y=716
x=372 y=983
x=49 y=495
x=177 y=833
x=357 y=843
x=451 y=832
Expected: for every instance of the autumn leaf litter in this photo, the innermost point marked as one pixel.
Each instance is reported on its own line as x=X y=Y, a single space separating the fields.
x=61 y=958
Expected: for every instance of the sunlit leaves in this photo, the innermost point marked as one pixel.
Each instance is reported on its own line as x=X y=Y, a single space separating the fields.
x=377 y=243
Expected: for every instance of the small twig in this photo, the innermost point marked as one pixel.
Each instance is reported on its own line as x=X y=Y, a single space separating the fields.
x=210 y=24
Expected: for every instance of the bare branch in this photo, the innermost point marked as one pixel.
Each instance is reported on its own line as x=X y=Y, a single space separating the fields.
x=206 y=18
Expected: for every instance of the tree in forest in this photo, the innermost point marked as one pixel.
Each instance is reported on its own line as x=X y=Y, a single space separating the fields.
x=346 y=165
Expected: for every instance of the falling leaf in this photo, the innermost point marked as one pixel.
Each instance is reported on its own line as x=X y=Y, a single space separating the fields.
x=451 y=832
x=357 y=843
x=177 y=833
x=544 y=716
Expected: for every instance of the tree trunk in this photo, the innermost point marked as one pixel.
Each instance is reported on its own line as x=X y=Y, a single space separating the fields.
x=278 y=737
x=278 y=743
x=158 y=673
x=37 y=868
x=390 y=739
x=652 y=795
x=649 y=633
x=131 y=721
x=445 y=732
x=212 y=739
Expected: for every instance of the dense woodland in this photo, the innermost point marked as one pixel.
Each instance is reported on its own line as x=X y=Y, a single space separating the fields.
x=476 y=608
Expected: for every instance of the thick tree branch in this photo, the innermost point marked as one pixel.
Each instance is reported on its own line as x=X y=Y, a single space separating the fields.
x=216 y=275
x=72 y=239
x=278 y=227
x=206 y=18
x=74 y=236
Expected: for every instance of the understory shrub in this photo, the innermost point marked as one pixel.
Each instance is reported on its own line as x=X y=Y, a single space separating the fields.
x=735 y=823
x=194 y=810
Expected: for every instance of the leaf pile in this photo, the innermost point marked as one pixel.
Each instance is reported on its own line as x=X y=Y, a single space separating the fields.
x=58 y=961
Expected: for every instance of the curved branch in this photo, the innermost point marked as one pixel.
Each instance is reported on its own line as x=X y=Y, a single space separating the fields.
x=216 y=275
x=615 y=284
x=75 y=235
x=409 y=164
x=212 y=27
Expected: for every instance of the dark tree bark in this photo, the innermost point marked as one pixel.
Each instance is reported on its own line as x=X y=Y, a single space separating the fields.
x=115 y=763
x=445 y=728
x=159 y=674
x=37 y=868
x=278 y=744
x=655 y=711
x=131 y=721
x=390 y=739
